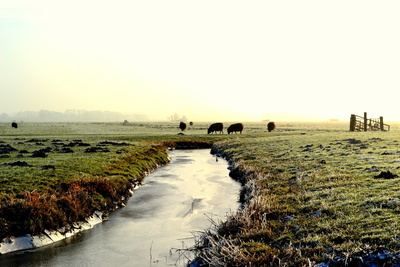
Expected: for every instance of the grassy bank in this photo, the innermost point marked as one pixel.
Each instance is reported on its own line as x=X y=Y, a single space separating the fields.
x=51 y=192
x=315 y=196
x=53 y=175
x=312 y=192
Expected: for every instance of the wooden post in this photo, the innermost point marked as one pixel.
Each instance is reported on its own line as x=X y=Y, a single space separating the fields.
x=381 y=123
x=365 y=122
x=352 y=123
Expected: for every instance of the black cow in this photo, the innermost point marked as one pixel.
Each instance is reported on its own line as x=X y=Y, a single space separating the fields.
x=216 y=127
x=14 y=125
x=236 y=127
x=182 y=126
x=271 y=126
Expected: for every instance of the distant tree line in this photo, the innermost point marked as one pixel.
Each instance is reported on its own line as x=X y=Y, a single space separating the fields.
x=176 y=117
x=71 y=115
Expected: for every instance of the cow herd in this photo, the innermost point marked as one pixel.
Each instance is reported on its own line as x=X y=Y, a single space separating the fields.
x=218 y=127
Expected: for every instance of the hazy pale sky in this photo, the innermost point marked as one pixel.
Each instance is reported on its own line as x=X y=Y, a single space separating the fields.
x=202 y=59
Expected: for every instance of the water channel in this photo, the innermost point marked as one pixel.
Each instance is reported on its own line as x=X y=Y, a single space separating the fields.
x=175 y=203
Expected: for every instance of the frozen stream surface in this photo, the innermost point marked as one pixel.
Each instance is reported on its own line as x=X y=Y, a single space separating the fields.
x=175 y=202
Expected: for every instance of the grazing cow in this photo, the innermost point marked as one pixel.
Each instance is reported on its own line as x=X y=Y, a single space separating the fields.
x=216 y=127
x=236 y=127
x=271 y=126
x=182 y=126
x=14 y=125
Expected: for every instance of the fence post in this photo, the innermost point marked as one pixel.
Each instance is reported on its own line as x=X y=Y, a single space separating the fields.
x=381 y=123
x=352 y=122
x=365 y=122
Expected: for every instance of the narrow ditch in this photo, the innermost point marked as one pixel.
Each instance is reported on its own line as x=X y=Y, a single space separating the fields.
x=160 y=221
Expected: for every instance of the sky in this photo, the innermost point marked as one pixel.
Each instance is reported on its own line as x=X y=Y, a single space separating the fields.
x=205 y=60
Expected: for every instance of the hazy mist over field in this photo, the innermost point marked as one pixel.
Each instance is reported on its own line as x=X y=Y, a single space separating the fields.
x=204 y=61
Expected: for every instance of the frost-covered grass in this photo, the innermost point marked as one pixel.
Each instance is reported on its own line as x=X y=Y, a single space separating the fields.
x=310 y=189
x=55 y=174
x=312 y=196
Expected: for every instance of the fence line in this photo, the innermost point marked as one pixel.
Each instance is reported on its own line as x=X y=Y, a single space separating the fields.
x=359 y=124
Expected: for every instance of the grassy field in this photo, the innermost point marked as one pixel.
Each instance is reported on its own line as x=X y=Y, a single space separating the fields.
x=312 y=192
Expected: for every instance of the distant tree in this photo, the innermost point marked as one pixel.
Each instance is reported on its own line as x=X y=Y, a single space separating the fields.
x=177 y=117
x=72 y=115
x=4 y=117
x=174 y=117
x=47 y=115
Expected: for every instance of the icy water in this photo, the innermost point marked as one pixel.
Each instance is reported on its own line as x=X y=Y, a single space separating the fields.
x=174 y=204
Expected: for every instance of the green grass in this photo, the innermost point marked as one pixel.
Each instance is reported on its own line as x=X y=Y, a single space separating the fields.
x=77 y=137
x=317 y=193
x=81 y=167
x=310 y=190
x=33 y=199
